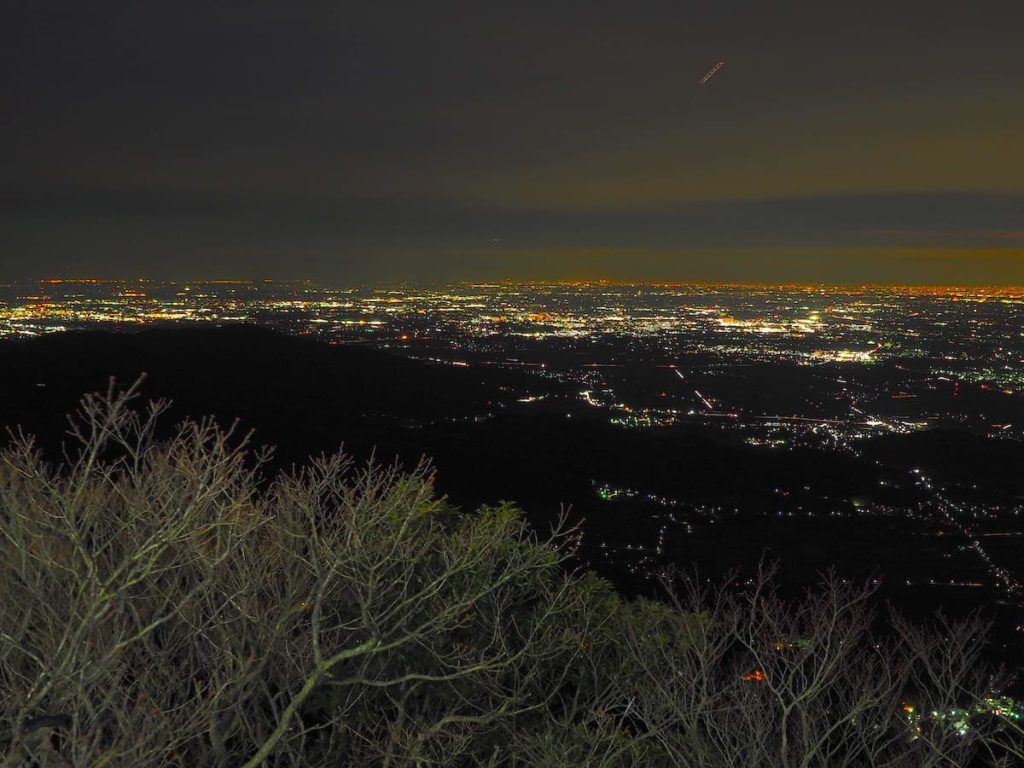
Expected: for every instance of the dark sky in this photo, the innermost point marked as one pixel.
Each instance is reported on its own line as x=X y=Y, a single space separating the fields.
x=340 y=141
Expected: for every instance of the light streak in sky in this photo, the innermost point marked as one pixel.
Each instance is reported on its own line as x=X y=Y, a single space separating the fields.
x=711 y=72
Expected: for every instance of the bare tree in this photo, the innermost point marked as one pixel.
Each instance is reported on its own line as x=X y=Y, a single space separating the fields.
x=758 y=680
x=164 y=603
x=161 y=604
x=98 y=566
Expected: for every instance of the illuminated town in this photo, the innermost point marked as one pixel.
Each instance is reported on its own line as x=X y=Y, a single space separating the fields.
x=851 y=362
x=782 y=369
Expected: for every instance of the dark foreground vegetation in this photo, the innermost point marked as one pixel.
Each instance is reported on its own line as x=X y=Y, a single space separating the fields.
x=172 y=601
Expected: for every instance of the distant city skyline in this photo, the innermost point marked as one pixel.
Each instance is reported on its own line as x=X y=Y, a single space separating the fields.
x=838 y=143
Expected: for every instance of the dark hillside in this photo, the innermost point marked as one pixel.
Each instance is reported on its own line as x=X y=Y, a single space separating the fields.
x=298 y=394
x=306 y=397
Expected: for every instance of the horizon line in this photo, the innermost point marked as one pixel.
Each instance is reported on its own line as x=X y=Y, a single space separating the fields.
x=516 y=281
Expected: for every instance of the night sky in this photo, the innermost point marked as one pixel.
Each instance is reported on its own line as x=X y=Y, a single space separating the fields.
x=345 y=142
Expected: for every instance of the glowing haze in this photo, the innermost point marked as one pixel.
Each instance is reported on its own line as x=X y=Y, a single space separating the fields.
x=841 y=142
